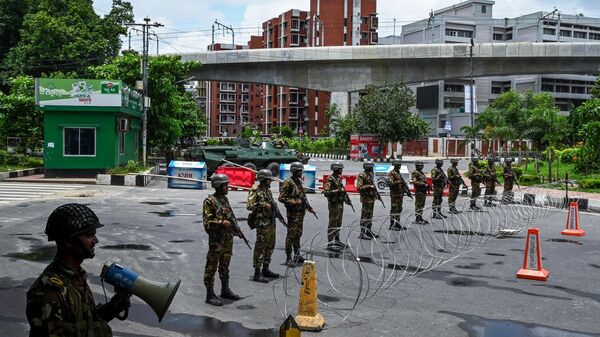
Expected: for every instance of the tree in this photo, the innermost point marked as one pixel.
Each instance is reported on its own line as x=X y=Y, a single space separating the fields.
x=585 y=120
x=60 y=35
x=21 y=119
x=284 y=131
x=494 y=126
x=173 y=112
x=544 y=124
x=386 y=113
x=11 y=19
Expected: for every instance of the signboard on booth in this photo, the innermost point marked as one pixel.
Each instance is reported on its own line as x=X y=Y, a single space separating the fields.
x=366 y=146
x=187 y=169
x=309 y=176
x=78 y=92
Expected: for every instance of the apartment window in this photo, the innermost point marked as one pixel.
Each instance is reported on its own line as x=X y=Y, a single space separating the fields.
x=245 y=98
x=549 y=31
x=245 y=87
x=459 y=33
x=547 y=87
x=550 y=23
x=79 y=142
x=345 y=22
x=454 y=105
x=227 y=97
x=565 y=33
x=580 y=35
x=562 y=88
x=245 y=119
x=295 y=24
x=454 y=88
x=225 y=86
x=578 y=90
x=498 y=37
x=244 y=109
x=364 y=19
x=509 y=37
x=594 y=36
x=227 y=108
x=227 y=119
x=294 y=97
x=295 y=39
x=496 y=90
x=483 y=9
x=374 y=22
x=293 y=113
x=345 y=37
x=364 y=36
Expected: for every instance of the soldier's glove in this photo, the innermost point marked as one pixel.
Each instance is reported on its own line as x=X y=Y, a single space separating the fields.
x=120 y=301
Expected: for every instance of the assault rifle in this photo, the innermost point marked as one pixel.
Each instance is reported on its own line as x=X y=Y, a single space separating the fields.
x=275 y=213
x=236 y=228
x=406 y=190
x=304 y=200
x=378 y=196
x=348 y=201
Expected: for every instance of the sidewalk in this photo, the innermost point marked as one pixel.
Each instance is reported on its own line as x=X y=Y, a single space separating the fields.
x=39 y=178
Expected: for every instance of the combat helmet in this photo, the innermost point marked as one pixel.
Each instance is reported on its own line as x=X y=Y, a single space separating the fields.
x=419 y=163
x=264 y=174
x=439 y=161
x=396 y=162
x=70 y=220
x=336 y=166
x=368 y=165
x=454 y=160
x=218 y=180
x=296 y=166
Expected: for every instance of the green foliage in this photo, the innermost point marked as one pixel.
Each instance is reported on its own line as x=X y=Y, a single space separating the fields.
x=173 y=113
x=569 y=155
x=545 y=125
x=285 y=131
x=248 y=132
x=586 y=120
x=19 y=160
x=518 y=171
x=529 y=179
x=11 y=16
x=329 y=145
x=3 y=155
x=589 y=183
x=386 y=113
x=18 y=107
x=131 y=167
x=66 y=36
x=217 y=141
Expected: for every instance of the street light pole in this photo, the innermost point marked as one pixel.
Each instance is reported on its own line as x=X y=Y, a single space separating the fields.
x=471 y=92
x=145 y=99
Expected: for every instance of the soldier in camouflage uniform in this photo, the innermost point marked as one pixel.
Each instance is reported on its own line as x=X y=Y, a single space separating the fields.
x=336 y=195
x=490 y=183
x=439 y=180
x=475 y=176
x=216 y=212
x=366 y=188
x=60 y=302
x=454 y=182
x=397 y=187
x=419 y=181
x=262 y=205
x=293 y=197
x=509 y=178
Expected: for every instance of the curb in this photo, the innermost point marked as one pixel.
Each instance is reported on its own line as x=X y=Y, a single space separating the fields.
x=374 y=160
x=21 y=173
x=126 y=180
x=327 y=156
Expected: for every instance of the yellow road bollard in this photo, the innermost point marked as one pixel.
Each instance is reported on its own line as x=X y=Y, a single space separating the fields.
x=308 y=317
x=289 y=328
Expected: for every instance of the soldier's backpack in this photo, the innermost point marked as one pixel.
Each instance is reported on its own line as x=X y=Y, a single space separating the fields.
x=252 y=220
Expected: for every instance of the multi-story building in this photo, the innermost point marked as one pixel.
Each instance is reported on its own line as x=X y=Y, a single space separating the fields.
x=230 y=106
x=443 y=104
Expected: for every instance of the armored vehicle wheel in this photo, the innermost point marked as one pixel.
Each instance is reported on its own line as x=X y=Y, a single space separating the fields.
x=274 y=168
x=250 y=165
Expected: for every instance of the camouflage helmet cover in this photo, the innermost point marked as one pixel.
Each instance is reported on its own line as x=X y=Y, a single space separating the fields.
x=336 y=166
x=296 y=166
x=419 y=163
x=454 y=160
x=439 y=161
x=368 y=165
x=218 y=180
x=264 y=174
x=70 y=220
x=396 y=162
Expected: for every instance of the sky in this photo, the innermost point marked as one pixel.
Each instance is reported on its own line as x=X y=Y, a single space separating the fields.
x=188 y=23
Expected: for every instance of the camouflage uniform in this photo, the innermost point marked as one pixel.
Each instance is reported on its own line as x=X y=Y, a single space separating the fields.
x=490 y=183
x=334 y=191
x=220 y=239
x=397 y=185
x=439 y=180
x=509 y=178
x=292 y=194
x=60 y=303
x=366 y=187
x=258 y=200
x=419 y=180
x=455 y=180
x=475 y=176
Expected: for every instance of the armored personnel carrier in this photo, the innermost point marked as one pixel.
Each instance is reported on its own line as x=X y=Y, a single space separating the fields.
x=256 y=156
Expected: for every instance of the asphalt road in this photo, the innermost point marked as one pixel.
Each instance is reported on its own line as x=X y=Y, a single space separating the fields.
x=158 y=232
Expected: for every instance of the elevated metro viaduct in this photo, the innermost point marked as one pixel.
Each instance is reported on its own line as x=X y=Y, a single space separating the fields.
x=342 y=70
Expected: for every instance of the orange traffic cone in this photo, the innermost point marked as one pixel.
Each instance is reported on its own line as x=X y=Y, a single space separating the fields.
x=573 y=221
x=532 y=263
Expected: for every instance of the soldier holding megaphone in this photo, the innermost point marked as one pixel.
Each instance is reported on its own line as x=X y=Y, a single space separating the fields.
x=60 y=302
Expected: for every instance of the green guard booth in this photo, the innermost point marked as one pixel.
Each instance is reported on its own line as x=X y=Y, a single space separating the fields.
x=89 y=125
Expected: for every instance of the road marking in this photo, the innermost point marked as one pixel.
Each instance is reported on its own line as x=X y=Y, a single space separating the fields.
x=24 y=191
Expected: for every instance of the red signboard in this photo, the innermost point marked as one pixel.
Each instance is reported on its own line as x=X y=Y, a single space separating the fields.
x=365 y=146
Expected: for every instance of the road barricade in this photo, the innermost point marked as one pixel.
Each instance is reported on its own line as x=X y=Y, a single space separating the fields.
x=348 y=181
x=238 y=176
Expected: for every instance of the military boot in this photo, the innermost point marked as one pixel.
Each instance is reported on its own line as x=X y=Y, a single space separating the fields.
x=453 y=210
x=363 y=235
x=421 y=221
x=288 y=260
x=372 y=234
x=258 y=276
x=226 y=292
x=211 y=297
x=298 y=258
x=436 y=214
x=474 y=206
x=442 y=214
x=266 y=272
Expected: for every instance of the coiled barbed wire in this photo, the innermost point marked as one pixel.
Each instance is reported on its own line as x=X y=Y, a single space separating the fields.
x=361 y=269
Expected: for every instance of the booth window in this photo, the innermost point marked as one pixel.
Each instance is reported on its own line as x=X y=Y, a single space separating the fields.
x=80 y=141
x=121 y=142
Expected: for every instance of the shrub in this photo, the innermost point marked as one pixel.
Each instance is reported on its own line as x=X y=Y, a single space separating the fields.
x=28 y=161
x=569 y=155
x=12 y=159
x=518 y=171
x=589 y=183
x=529 y=179
x=3 y=155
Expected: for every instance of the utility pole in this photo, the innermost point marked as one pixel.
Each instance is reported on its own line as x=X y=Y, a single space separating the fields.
x=394 y=36
x=146 y=100
x=225 y=28
x=471 y=103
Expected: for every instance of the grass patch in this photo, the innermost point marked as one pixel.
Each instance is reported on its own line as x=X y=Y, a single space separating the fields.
x=10 y=168
x=589 y=183
x=131 y=167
